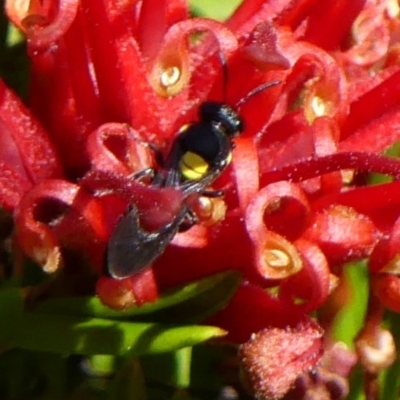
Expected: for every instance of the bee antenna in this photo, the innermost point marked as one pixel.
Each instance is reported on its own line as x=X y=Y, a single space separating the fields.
x=255 y=91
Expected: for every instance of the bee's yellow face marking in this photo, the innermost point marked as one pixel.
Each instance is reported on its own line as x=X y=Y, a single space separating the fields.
x=192 y=166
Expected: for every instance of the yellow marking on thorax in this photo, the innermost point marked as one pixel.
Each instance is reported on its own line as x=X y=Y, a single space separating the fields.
x=192 y=166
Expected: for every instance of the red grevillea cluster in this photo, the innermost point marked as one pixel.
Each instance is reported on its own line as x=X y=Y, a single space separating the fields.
x=298 y=203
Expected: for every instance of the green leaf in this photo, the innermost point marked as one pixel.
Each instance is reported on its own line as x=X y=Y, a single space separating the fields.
x=356 y=384
x=390 y=382
x=189 y=303
x=389 y=379
x=14 y=65
x=220 y=10
x=198 y=369
x=350 y=319
x=76 y=335
x=20 y=377
x=171 y=369
x=129 y=383
x=11 y=306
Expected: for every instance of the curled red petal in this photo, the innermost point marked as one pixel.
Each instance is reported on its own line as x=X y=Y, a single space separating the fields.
x=215 y=250
x=371 y=35
x=310 y=287
x=342 y=233
x=316 y=81
x=376 y=136
x=37 y=155
x=261 y=48
x=170 y=71
x=225 y=39
x=152 y=25
x=13 y=186
x=137 y=103
x=383 y=213
x=278 y=132
x=394 y=239
x=57 y=214
x=26 y=151
x=245 y=165
x=53 y=100
x=387 y=288
x=42 y=30
x=124 y=293
x=380 y=255
x=329 y=22
x=373 y=104
x=251 y=310
x=316 y=139
x=385 y=256
x=144 y=287
x=281 y=207
x=251 y=13
x=118 y=149
x=177 y=10
x=273 y=208
x=296 y=12
x=103 y=24
x=154 y=20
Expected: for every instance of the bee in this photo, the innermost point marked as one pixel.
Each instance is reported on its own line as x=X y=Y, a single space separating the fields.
x=198 y=155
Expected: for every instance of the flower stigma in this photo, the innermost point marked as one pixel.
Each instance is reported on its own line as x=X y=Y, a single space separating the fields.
x=170 y=77
x=376 y=351
x=393 y=8
x=318 y=106
x=277 y=258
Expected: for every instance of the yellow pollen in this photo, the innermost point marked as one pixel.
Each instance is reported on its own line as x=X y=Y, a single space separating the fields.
x=170 y=76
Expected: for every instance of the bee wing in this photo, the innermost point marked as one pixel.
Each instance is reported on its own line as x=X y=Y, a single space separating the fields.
x=131 y=248
x=198 y=186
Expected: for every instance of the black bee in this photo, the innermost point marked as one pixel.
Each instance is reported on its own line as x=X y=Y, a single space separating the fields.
x=198 y=155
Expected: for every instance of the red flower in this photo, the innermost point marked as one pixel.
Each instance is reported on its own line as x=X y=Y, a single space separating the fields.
x=109 y=77
x=273 y=358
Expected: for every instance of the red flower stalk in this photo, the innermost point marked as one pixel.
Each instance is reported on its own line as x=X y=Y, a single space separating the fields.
x=112 y=80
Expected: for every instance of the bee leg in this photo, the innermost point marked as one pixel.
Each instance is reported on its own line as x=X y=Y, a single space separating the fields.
x=155 y=149
x=158 y=155
x=189 y=220
x=144 y=174
x=212 y=193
